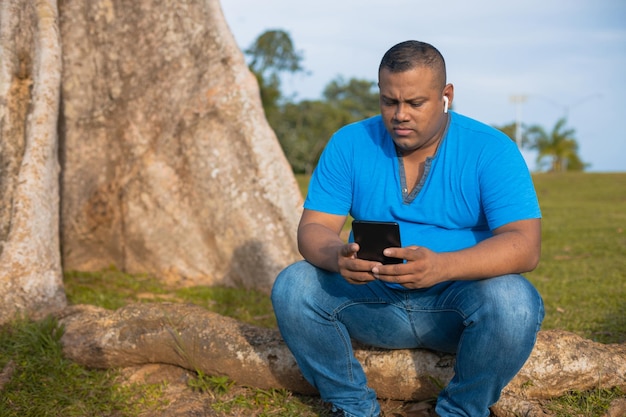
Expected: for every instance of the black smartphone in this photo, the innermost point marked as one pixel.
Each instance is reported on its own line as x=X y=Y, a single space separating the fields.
x=373 y=237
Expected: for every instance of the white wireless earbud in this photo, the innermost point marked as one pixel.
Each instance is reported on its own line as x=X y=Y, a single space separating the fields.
x=445 y=104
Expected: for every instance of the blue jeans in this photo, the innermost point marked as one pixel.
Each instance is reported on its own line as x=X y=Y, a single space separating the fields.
x=490 y=324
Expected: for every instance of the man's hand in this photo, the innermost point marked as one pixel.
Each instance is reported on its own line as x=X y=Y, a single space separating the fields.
x=423 y=268
x=353 y=269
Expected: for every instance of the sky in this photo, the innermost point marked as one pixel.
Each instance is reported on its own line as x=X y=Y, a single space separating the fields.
x=558 y=57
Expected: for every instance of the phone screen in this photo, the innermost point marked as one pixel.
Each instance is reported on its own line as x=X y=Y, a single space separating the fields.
x=373 y=237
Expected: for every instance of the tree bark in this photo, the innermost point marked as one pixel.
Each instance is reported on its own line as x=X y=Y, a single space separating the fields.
x=30 y=75
x=195 y=339
x=169 y=165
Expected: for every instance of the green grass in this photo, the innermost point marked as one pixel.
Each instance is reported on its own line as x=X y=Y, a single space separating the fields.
x=582 y=273
x=592 y=403
x=113 y=289
x=582 y=277
x=229 y=399
x=43 y=383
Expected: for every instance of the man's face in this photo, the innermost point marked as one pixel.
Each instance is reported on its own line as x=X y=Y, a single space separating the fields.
x=411 y=105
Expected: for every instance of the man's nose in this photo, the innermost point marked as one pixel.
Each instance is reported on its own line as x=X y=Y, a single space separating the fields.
x=400 y=113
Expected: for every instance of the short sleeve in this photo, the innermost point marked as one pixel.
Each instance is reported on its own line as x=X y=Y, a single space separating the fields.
x=507 y=190
x=330 y=188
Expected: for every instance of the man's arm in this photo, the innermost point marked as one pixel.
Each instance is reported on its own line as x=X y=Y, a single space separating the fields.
x=318 y=238
x=513 y=248
x=320 y=244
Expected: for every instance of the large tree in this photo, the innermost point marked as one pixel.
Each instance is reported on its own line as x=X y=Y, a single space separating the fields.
x=168 y=165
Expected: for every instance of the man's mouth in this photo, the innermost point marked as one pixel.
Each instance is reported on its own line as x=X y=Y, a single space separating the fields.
x=401 y=131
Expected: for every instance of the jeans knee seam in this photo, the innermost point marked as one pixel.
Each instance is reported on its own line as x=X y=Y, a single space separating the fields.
x=347 y=344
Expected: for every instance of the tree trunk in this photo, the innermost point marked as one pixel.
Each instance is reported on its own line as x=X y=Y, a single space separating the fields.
x=195 y=339
x=30 y=74
x=169 y=166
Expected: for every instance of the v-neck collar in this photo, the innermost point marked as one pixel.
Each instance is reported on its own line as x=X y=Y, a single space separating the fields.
x=408 y=198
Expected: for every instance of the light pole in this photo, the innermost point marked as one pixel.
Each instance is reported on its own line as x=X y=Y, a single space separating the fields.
x=579 y=102
x=568 y=107
x=518 y=100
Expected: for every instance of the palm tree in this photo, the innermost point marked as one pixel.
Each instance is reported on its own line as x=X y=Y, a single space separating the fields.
x=559 y=147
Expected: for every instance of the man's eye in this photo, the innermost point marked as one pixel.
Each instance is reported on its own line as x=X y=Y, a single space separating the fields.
x=416 y=104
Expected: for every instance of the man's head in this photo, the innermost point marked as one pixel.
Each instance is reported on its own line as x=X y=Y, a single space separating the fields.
x=414 y=96
x=408 y=55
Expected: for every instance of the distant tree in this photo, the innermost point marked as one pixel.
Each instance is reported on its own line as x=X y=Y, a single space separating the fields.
x=558 y=149
x=302 y=134
x=304 y=128
x=356 y=96
x=272 y=54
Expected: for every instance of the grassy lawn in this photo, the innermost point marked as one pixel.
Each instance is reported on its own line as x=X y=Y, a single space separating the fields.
x=582 y=273
x=582 y=277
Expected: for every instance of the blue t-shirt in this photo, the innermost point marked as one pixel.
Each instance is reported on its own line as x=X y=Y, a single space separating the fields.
x=476 y=182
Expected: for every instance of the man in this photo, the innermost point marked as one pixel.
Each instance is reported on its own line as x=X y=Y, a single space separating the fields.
x=470 y=224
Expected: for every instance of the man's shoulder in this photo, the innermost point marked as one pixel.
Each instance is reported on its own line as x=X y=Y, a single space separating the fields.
x=366 y=132
x=468 y=124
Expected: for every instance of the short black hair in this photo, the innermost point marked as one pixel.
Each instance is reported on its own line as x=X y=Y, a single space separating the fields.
x=411 y=54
